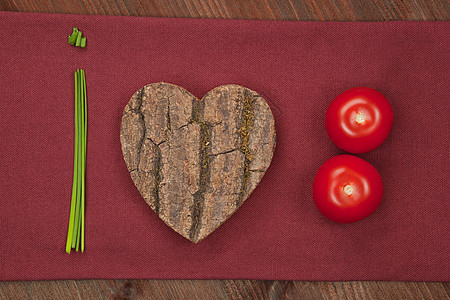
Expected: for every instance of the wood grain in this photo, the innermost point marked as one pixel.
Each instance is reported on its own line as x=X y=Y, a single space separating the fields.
x=324 y=10
x=221 y=289
x=321 y=10
x=196 y=161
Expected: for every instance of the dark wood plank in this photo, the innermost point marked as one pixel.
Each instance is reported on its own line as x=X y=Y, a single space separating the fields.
x=321 y=10
x=221 y=289
x=368 y=290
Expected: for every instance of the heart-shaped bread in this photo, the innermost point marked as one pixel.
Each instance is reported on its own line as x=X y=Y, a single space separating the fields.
x=196 y=161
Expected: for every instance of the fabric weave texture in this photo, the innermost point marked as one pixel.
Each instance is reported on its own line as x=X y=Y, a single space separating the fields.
x=298 y=67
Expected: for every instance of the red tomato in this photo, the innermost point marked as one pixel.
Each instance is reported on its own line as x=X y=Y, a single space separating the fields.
x=347 y=189
x=359 y=120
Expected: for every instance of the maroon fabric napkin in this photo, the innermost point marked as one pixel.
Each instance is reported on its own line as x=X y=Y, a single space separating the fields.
x=298 y=67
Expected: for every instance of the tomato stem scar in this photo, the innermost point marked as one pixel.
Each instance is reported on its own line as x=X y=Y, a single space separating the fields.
x=360 y=118
x=348 y=189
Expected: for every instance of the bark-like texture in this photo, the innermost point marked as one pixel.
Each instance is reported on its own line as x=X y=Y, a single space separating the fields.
x=196 y=161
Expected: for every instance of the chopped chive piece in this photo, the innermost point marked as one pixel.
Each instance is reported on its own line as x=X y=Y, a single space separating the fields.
x=73 y=36
x=77 y=38
x=78 y=42
x=75 y=236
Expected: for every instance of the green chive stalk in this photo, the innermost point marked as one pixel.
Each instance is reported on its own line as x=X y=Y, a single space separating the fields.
x=75 y=235
x=83 y=81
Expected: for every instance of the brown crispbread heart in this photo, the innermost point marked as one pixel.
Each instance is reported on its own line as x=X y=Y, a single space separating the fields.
x=196 y=161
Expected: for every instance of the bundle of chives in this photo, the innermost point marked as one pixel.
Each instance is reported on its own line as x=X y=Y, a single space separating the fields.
x=76 y=220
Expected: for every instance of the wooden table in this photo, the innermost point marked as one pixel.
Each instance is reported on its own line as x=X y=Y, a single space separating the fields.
x=325 y=10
